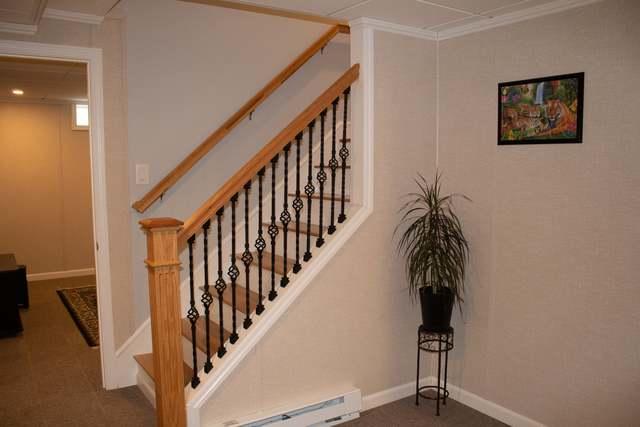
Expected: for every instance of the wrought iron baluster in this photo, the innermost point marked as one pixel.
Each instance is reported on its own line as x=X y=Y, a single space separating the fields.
x=322 y=178
x=207 y=299
x=273 y=229
x=344 y=154
x=233 y=271
x=297 y=204
x=285 y=218
x=260 y=243
x=220 y=284
x=193 y=315
x=309 y=190
x=333 y=164
x=247 y=258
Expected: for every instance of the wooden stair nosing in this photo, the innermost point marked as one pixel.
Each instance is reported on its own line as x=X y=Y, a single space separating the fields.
x=241 y=293
x=325 y=196
x=146 y=363
x=214 y=337
x=315 y=229
x=266 y=262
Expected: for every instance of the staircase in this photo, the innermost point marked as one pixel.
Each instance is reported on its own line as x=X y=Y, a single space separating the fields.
x=248 y=246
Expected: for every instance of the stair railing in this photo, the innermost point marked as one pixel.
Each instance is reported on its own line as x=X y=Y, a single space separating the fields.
x=167 y=237
x=247 y=109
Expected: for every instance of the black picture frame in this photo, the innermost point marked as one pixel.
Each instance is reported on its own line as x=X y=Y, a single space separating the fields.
x=513 y=117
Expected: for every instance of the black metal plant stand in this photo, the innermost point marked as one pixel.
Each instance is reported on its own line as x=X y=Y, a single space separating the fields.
x=434 y=342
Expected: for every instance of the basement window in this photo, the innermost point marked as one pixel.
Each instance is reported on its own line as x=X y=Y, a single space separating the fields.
x=80 y=117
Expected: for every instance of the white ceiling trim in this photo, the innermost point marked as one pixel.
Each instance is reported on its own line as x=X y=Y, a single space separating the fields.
x=65 y=15
x=25 y=29
x=513 y=17
x=390 y=27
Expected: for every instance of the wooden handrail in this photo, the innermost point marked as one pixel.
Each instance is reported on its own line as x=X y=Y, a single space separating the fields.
x=264 y=156
x=212 y=140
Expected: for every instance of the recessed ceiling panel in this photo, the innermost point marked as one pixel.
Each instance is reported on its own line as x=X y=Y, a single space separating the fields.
x=475 y=6
x=91 y=7
x=21 y=11
x=404 y=12
x=318 y=7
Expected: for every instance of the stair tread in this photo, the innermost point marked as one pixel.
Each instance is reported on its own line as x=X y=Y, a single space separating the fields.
x=146 y=363
x=266 y=262
x=241 y=294
x=325 y=196
x=201 y=334
x=315 y=229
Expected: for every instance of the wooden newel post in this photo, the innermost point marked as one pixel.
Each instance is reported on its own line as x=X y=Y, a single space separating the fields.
x=163 y=265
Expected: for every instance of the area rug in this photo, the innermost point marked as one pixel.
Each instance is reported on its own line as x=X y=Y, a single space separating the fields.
x=82 y=305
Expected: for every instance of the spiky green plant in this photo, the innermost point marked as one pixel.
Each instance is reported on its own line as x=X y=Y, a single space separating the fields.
x=435 y=248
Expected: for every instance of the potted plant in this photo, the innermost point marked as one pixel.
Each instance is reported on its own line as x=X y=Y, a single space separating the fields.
x=436 y=252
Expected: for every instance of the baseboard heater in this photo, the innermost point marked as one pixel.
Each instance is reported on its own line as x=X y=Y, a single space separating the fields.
x=333 y=411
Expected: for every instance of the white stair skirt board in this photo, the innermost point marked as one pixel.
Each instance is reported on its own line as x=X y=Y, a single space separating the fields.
x=456 y=393
x=60 y=274
x=333 y=410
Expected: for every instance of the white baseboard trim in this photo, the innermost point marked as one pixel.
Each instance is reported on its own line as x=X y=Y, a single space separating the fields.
x=60 y=274
x=392 y=394
x=488 y=407
x=458 y=394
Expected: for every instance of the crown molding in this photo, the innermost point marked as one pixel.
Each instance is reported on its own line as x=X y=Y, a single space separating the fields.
x=25 y=29
x=65 y=15
x=512 y=18
x=390 y=27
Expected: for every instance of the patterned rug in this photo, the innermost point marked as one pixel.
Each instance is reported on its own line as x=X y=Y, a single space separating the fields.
x=82 y=304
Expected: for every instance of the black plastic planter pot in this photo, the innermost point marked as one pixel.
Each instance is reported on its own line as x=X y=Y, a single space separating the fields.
x=436 y=308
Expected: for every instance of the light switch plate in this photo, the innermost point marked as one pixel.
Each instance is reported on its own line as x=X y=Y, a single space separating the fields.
x=142 y=173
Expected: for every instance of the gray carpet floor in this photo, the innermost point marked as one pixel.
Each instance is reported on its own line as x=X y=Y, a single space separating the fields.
x=50 y=377
x=405 y=413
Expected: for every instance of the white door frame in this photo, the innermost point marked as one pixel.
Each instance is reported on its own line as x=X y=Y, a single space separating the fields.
x=93 y=58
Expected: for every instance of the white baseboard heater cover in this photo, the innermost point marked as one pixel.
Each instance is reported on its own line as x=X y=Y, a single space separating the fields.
x=329 y=412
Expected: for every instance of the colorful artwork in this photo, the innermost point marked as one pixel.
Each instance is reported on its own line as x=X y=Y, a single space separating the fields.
x=541 y=111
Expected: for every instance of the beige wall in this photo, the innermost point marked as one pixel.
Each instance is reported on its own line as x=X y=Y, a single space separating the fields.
x=190 y=67
x=354 y=327
x=45 y=188
x=551 y=323
x=108 y=37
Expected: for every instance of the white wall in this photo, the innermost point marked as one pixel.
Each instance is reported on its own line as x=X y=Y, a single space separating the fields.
x=45 y=188
x=551 y=325
x=354 y=327
x=189 y=68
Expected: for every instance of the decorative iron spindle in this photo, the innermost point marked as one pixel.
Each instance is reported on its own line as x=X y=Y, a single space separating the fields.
x=260 y=243
x=285 y=218
x=193 y=314
x=233 y=272
x=220 y=284
x=309 y=190
x=333 y=164
x=297 y=204
x=207 y=299
x=344 y=154
x=247 y=258
x=273 y=229
x=322 y=178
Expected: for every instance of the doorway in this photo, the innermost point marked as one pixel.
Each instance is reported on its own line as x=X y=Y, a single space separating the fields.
x=91 y=60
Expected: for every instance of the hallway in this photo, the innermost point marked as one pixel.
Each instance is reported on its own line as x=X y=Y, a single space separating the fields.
x=50 y=377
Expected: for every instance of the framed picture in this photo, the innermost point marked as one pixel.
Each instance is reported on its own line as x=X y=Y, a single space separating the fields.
x=546 y=110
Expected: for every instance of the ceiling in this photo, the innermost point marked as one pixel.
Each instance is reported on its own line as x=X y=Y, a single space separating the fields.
x=432 y=15
x=29 y=12
x=42 y=81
